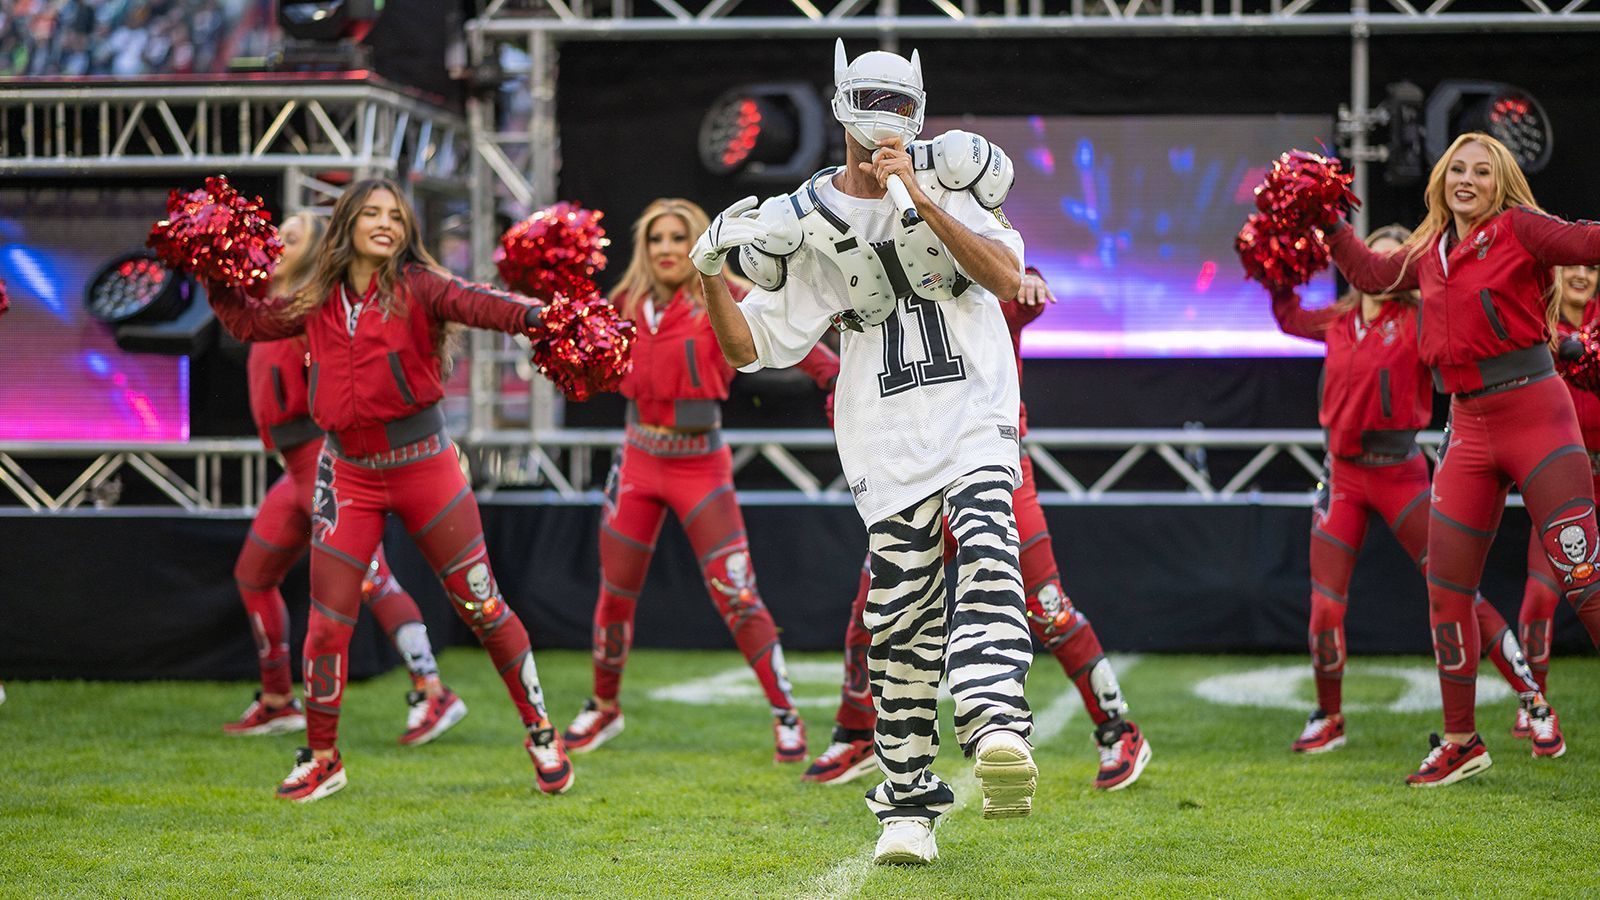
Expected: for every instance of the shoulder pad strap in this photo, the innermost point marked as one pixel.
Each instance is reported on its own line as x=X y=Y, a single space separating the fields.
x=804 y=199
x=811 y=202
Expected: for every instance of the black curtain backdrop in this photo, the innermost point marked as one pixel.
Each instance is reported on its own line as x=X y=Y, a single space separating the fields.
x=137 y=598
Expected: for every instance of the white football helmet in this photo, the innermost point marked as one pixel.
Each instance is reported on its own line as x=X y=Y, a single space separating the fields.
x=879 y=96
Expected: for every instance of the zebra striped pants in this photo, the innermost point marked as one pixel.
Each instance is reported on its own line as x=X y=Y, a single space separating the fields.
x=985 y=646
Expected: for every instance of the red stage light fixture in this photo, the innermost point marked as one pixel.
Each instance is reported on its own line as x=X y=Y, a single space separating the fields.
x=1509 y=113
x=763 y=132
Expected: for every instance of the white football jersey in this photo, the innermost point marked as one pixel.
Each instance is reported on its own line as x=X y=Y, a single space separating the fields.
x=926 y=396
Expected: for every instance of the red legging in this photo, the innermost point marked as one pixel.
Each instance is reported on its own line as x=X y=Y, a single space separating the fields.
x=1539 y=599
x=1398 y=493
x=699 y=490
x=280 y=533
x=1057 y=624
x=1529 y=436
x=422 y=484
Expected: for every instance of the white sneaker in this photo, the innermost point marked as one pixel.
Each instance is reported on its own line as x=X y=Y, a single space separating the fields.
x=1005 y=769
x=2 y=693
x=906 y=842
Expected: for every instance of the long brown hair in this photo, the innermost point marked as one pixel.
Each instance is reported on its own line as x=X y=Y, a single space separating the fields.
x=1510 y=189
x=1352 y=298
x=337 y=251
x=294 y=276
x=638 y=280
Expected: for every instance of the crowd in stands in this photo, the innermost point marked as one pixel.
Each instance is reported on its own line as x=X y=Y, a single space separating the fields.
x=74 y=38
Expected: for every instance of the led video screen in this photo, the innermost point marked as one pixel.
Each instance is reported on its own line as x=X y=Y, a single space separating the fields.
x=62 y=377
x=1131 y=220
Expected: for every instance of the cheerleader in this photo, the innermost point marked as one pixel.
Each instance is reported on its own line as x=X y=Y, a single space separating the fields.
x=281 y=533
x=1572 y=306
x=1482 y=261
x=1376 y=396
x=374 y=314
x=673 y=458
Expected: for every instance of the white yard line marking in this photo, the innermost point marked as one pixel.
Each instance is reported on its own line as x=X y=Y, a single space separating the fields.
x=1278 y=687
x=845 y=878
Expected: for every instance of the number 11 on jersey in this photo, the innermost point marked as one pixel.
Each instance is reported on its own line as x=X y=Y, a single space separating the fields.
x=938 y=364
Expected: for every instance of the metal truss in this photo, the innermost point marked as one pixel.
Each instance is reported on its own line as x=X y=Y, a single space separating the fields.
x=561 y=465
x=227 y=475
x=1115 y=466
x=299 y=128
x=244 y=126
x=693 y=19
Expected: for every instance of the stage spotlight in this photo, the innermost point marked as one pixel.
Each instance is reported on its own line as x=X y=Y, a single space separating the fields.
x=1509 y=113
x=324 y=35
x=150 y=308
x=328 y=20
x=763 y=132
x=132 y=287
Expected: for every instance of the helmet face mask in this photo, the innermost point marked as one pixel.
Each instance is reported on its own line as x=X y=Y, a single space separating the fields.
x=878 y=96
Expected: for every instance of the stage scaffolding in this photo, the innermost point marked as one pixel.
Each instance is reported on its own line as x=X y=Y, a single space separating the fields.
x=299 y=129
x=227 y=478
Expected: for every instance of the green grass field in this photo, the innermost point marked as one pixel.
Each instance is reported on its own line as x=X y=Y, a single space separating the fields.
x=132 y=790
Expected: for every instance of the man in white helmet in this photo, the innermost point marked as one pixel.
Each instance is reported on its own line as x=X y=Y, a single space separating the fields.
x=926 y=418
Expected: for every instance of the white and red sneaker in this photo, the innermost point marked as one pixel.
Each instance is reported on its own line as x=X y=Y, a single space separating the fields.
x=1520 y=729
x=845 y=760
x=312 y=778
x=788 y=738
x=260 y=718
x=552 y=768
x=1545 y=730
x=1448 y=762
x=1123 y=754
x=1323 y=732
x=431 y=717
x=593 y=727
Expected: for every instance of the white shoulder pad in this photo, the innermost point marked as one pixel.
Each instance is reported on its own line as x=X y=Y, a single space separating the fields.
x=783 y=226
x=959 y=158
x=994 y=184
x=929 y=181
x=767 y=271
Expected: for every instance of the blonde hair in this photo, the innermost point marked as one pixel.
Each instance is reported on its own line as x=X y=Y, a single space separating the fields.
x=639 y=281
x=1510 y=189
x=1352 y=297
x=292 y=277
x=1552 y=310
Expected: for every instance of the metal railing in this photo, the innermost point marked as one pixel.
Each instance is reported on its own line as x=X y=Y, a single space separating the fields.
x=1072 y=466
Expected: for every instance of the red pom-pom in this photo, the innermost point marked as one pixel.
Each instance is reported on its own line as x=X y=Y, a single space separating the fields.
x=557 y=250
x=1279 y=259
x=582 y=345
x=1578 y=359
x=217 y=235
x=1304 y=191
x=5 y=302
